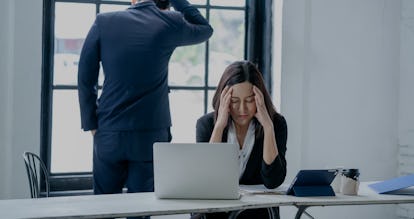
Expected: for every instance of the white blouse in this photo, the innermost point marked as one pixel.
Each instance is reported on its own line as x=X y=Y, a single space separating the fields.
x=246 y=150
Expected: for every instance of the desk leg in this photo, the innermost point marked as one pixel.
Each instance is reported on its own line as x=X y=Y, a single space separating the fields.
x=301 y=210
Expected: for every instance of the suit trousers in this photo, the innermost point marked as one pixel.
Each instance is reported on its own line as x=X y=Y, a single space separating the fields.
x=125 y=158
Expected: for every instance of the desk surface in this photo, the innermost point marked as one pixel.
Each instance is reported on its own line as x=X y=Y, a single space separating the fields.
x=140 y=204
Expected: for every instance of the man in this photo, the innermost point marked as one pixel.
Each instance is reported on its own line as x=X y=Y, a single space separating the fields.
x=134 y=47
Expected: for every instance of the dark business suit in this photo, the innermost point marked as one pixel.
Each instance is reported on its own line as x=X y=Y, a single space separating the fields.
x=257 y=171
x=134 y=47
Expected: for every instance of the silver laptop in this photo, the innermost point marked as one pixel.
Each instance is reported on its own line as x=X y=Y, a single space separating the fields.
x=196 y=170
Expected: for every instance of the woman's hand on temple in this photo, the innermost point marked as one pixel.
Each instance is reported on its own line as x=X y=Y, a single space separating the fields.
x=224 y=108
x=262 y=115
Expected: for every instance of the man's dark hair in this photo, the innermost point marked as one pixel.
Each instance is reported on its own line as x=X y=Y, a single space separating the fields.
x=162 y=4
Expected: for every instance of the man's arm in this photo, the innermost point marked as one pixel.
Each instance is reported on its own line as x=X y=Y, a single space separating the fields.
x=196 y=28
x=88 y=73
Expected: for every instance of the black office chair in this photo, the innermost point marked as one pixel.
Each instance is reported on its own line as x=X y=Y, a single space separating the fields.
x=36 y=169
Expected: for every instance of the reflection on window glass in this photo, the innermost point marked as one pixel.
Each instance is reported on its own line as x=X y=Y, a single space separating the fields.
x=227 y=42
x=109 y=8
x=71 y=147
x=187 y=66
x=237 y=3
x=72 y=23
x=186 y=108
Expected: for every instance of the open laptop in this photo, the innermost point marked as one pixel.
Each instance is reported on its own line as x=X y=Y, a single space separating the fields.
x=196 y=170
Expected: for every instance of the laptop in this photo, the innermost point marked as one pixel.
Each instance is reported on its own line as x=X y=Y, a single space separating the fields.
x=196 y=170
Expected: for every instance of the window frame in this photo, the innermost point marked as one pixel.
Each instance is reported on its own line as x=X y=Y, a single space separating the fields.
x=258 y=44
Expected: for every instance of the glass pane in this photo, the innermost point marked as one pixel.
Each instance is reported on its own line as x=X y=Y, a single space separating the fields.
x=65 y=68
x=101 y=77
x=71 y=147
x=227 y=42
x=72 y=23
x=186 y=108
x=210 y=101
x=236 y=3
x=187 y=66
x=109 y=8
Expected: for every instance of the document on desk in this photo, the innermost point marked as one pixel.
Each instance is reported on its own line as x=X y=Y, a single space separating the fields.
x=403 y=185
x=261 y=189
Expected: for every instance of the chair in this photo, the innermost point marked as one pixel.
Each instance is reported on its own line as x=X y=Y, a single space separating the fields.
x=36 y=169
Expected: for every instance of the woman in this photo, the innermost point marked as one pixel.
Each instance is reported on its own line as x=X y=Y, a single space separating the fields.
x=244 y=114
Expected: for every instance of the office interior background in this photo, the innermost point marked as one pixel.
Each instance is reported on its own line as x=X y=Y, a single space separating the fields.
x=342 y=75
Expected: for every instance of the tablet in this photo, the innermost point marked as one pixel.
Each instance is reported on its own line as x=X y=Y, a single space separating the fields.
x=313 y=183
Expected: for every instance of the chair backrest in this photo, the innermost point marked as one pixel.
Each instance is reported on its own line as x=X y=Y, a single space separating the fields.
x=36 y=169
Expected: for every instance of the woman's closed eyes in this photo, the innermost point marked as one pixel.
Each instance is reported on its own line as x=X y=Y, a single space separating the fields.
x=247 y=100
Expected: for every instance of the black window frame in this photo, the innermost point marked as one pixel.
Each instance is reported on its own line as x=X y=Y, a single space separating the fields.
x=258 y=46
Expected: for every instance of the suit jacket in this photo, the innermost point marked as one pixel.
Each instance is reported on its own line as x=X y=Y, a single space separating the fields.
x=134 y=47
x=257 y=171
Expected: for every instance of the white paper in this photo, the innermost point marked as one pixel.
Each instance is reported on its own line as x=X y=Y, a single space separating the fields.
x=261 y=189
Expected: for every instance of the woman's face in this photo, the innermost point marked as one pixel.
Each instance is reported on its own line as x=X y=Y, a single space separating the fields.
x=242 y=103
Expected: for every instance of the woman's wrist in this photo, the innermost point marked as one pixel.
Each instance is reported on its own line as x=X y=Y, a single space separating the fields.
x=219 y=128
x=268 y=127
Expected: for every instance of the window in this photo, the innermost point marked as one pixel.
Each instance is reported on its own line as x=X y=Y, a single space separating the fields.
x=194 y=71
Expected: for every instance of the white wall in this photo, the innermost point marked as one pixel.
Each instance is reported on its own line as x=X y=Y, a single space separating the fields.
x=21 y=27
x=340 y=90
x=406 y=99
x=4 y=17
x=6 y=63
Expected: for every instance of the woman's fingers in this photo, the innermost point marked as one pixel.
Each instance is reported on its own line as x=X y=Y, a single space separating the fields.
x=258 y=96
x=224 y=92
x=224 y=107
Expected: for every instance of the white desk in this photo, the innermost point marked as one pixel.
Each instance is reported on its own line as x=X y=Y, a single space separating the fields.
x=365 y=196
x=140 y=204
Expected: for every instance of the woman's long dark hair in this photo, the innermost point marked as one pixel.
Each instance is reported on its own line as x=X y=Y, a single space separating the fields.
x=239 y=72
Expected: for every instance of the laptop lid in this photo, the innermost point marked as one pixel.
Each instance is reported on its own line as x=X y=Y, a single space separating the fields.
x=196 y=170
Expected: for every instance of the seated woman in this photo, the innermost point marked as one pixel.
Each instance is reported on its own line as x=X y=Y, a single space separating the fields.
x=244 y=114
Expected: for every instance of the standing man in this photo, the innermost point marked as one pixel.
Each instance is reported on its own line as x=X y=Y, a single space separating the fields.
x=134 y=47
